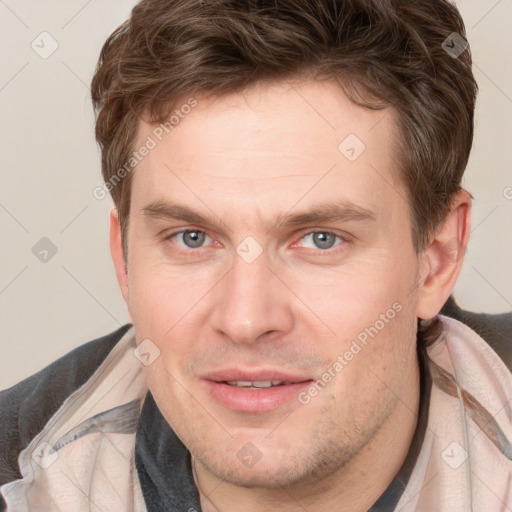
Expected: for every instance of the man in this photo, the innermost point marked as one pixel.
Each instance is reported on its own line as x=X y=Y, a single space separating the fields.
x=289 y=223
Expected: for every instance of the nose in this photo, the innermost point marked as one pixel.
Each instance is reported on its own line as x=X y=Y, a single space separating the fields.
x=250 y=302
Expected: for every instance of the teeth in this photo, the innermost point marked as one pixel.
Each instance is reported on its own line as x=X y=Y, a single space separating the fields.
x=255 y=384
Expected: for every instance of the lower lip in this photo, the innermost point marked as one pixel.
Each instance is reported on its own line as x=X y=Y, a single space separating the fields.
x=255 y=400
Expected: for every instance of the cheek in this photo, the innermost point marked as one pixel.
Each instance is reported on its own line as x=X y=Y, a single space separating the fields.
x=160 y=295
x=354 y=296
x=167 y=306
x=375 y=356
x=369 y=310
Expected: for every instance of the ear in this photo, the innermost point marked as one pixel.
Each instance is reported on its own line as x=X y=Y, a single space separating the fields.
x=443 y=257
x=116 y=250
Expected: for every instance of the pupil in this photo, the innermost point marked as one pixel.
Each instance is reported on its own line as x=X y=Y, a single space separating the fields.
x=193 y=238
x=324 y=240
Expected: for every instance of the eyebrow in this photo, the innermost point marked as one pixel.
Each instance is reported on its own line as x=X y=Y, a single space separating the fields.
x=339 y=211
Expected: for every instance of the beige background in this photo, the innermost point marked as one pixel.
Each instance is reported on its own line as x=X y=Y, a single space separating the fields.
x=50 y=166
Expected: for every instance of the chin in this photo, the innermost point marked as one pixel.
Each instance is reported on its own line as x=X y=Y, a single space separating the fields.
x=257 y=477
x=273 y=474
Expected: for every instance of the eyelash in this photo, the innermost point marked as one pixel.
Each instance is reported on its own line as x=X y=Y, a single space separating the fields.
x=315 y=251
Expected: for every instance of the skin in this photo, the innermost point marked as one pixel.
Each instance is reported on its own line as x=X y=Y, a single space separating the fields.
x=245 y=159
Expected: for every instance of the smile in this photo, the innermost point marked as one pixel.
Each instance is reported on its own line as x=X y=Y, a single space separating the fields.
x=255 y=396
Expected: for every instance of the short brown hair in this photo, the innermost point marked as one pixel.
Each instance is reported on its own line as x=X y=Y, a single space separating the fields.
x=387 y=49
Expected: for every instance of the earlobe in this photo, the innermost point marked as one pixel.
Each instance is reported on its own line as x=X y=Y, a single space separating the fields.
x=116 y=250
x=443 y=257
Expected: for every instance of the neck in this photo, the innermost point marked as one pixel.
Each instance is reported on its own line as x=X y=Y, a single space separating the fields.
x=354 y=487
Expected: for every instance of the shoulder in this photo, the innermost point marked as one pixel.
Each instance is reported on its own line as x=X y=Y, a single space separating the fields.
x=27 y=406
x=496 y=329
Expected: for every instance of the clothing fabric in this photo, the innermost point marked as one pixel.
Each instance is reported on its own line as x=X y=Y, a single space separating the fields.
x=104 y=444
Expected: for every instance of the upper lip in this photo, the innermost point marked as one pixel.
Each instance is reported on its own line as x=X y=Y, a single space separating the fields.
x=252 y=375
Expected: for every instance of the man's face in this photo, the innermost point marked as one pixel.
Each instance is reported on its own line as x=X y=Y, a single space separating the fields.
x=252 y=297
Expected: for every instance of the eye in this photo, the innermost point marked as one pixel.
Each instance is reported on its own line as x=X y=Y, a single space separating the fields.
x=195 y=239
x=321 y=239
x=190 y=238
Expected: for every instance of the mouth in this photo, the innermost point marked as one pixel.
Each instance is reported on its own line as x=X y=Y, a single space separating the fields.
x=254 y=394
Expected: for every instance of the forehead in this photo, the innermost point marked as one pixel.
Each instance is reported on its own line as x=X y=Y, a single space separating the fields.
x=271 y=146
